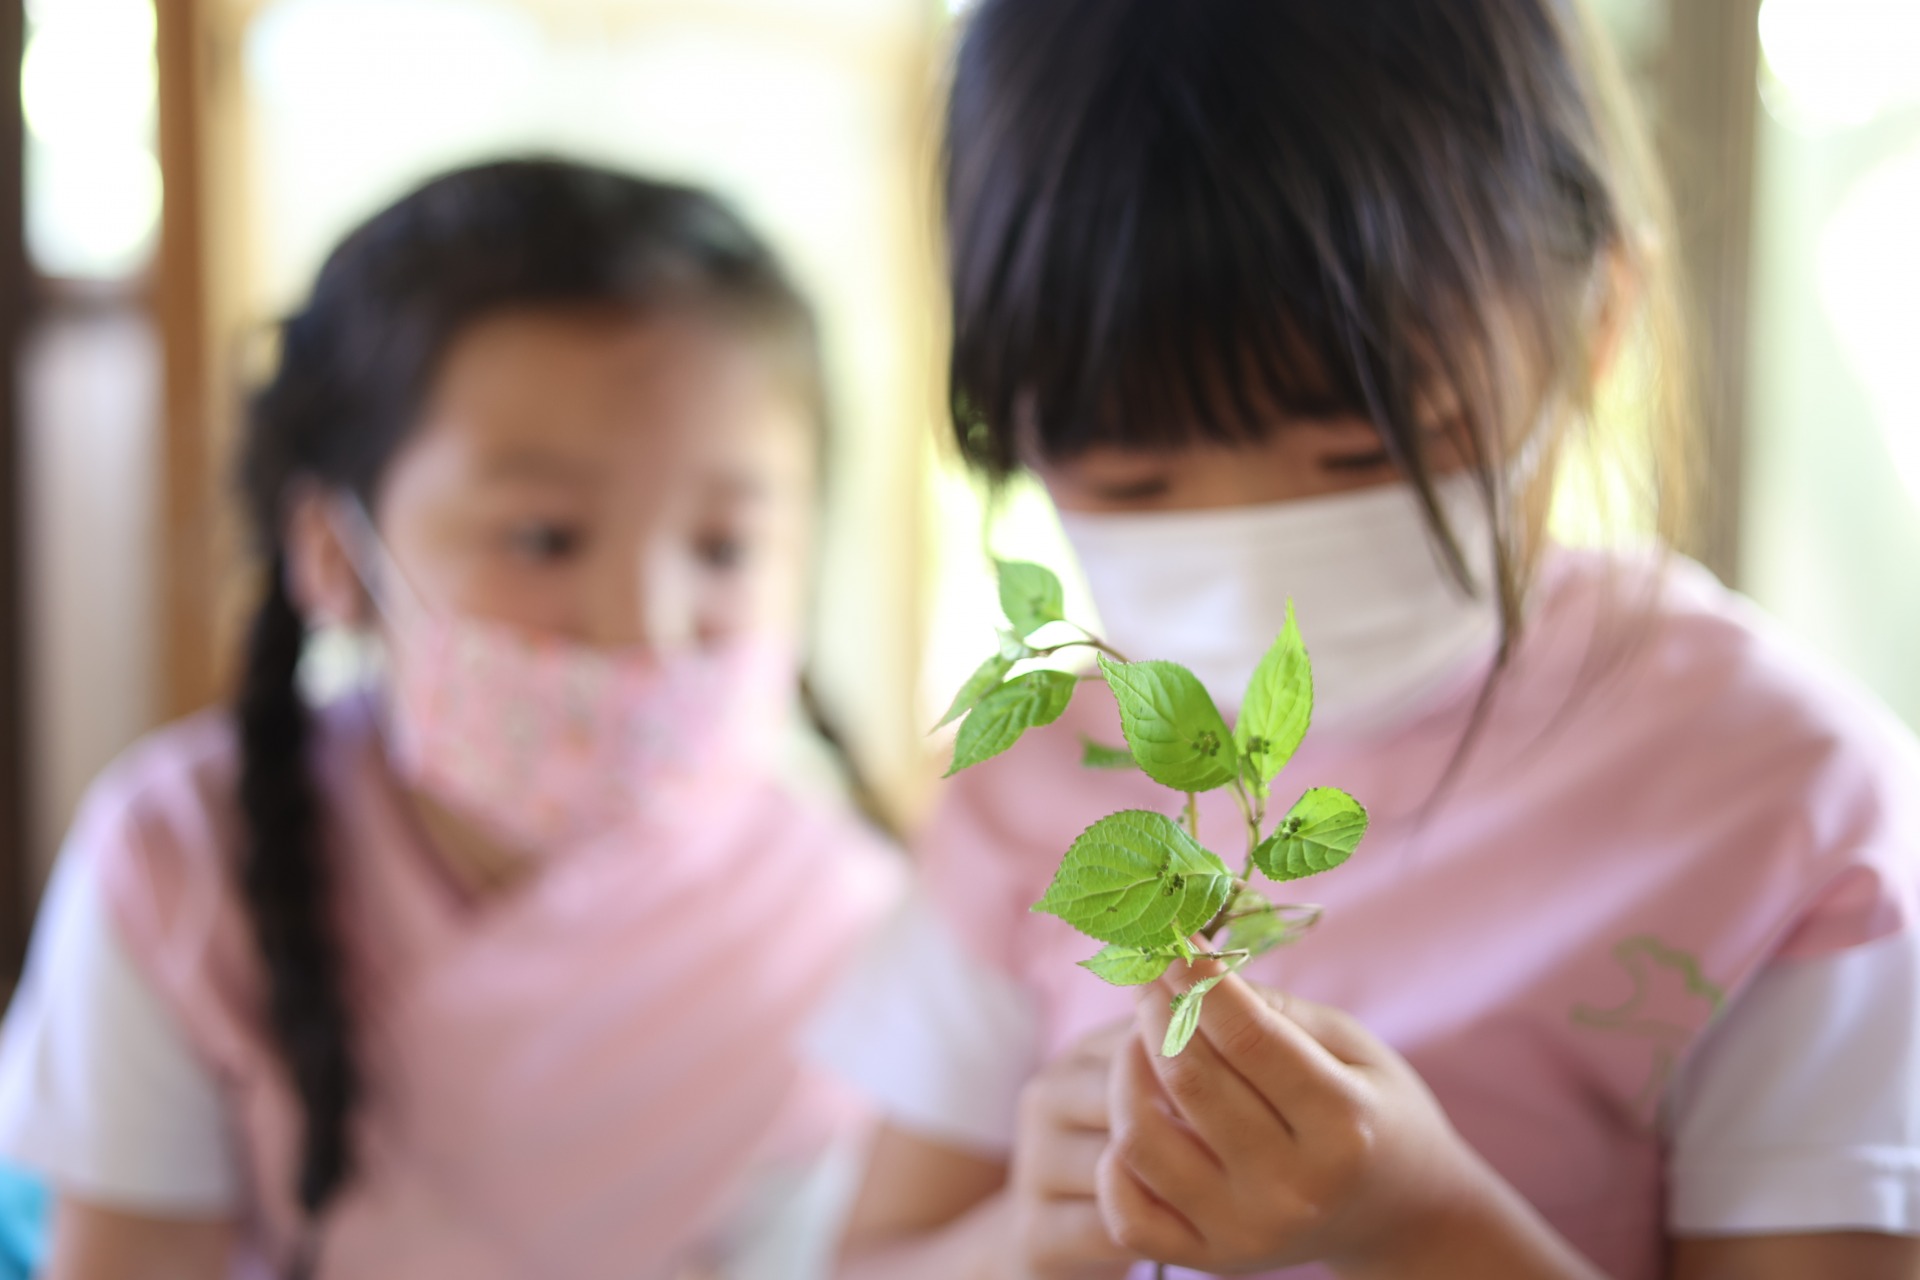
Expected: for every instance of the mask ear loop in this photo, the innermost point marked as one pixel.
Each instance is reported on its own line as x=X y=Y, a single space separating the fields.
x=344 y=657
x=373 y=563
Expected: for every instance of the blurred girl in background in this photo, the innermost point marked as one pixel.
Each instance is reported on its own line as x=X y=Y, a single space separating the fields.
x=494 y=968
x=1300 y=299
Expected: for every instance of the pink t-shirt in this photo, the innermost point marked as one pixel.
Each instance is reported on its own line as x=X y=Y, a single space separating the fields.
x=1665 y=798
x=575 y=1078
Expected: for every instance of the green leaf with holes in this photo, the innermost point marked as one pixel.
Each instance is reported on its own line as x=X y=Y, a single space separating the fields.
x=1185 y=1009
x=1136 y=879
x=990 y=675
x=1030 y=595
x=1129 y=966
x=1318 y=834
x=1177 y=735
x=996 y=723
x=1098 y=755
x=1278 y=707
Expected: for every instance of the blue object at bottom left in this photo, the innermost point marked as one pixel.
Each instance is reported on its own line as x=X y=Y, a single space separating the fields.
x=25 y=1207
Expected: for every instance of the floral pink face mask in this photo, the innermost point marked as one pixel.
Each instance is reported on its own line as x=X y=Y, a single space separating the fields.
x=549 y=743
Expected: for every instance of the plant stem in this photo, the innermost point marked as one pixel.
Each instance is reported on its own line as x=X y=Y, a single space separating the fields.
x=1221 y=917
x=1309 y=912
x=1193 y=816
x=1252 y=815
x=1088 y=643
x=1100 y=644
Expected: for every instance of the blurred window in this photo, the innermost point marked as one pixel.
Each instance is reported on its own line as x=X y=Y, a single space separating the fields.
x=90 y=387
x=1833 y=527
x=93 y=178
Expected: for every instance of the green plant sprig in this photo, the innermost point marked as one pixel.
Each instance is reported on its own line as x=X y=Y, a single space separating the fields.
x=1140 y=881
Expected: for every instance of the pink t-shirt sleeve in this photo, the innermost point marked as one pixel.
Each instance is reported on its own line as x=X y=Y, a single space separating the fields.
x=1836 y=773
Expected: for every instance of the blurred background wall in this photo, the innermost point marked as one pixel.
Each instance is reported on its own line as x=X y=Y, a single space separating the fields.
x=182 y=168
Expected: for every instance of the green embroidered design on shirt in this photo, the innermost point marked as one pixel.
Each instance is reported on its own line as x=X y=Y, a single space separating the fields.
x=1650 y=963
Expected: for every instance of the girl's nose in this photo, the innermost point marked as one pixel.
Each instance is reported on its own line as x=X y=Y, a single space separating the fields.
x=645 y=601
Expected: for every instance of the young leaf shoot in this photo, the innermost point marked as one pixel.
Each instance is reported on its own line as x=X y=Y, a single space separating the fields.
x=1138 y=880
x=1023 y=703
x=1277 y=709
x=1098 y=755
x=1318 y=834
x=1257 y=925
x=985 y=679
x=1128 y=966
x=1031 y=596
x=1177 y=735
x=1186 y=1015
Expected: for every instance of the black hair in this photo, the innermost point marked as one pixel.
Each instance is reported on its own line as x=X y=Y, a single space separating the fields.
x=1182 y=220
x=355 y=365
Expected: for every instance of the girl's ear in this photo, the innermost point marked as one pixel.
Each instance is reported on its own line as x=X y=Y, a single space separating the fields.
x=321 y=578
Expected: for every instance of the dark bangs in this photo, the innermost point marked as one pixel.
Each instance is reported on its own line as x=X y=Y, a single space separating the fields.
x=1174 y=221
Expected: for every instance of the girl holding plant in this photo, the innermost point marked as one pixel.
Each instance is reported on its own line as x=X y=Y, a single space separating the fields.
x=1300 y=305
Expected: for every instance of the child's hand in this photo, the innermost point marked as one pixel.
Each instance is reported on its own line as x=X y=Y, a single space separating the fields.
x=1286 y=1133
x=1057 y=1232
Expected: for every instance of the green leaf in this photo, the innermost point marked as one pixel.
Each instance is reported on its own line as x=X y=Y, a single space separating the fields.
x=1032 y=700
x=1257 y=925
x=1278 y=706
x=1128 y=966
x=1318 y=834
x=1136 y=879
x=1014 y=649
x=1031 y=596
x=990 y=675
x=1185 y=1008
x=1177 y=735
x=1098 y=755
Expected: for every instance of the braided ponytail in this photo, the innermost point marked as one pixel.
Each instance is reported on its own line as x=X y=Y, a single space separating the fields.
x=286 y=883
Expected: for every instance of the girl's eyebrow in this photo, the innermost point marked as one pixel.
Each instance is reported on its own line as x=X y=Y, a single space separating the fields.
x=541 y=465
x=747 y=486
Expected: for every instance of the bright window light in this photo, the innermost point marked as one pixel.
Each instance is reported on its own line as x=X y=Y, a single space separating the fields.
x=353 y=101
x=1837 y=64
x=87 y=89
x=1869 y=277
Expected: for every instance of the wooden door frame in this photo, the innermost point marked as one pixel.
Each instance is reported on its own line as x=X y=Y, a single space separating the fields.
x=1709 y=89
x=189 y=495
x=16 y=873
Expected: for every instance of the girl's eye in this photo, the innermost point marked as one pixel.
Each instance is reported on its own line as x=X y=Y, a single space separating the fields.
x=1143 y=489
x=722 y=552
x=545 y=543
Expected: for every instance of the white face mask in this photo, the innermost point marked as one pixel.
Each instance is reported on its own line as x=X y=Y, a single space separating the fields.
x=1384 y=620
